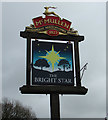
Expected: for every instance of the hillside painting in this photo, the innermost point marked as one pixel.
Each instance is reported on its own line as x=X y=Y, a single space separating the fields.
x=52 y=63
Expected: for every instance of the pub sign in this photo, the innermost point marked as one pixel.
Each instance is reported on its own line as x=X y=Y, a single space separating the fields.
x=49 y=64
x=52 y=63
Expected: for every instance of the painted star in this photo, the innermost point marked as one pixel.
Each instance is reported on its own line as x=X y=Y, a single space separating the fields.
x=53 y=57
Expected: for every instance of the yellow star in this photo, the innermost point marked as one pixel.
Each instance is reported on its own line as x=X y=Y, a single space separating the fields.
x=52 y=57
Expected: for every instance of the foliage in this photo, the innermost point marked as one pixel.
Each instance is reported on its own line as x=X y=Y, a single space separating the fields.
x=15 y=110
x=41 y=63
x=64 y=63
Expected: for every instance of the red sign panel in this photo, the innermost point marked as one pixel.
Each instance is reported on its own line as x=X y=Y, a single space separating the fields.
x=51 y=20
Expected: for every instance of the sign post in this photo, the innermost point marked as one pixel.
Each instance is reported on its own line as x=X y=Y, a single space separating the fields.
x=55 y=106
x=51 y=69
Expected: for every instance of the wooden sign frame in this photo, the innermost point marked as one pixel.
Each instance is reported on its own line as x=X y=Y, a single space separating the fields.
x=47 y=89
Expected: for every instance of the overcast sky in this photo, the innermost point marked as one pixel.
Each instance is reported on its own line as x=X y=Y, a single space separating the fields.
x=90 y=20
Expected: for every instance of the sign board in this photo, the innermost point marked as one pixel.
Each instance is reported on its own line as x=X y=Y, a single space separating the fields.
x=51 y=20
x=52 y=26
x=52 y=63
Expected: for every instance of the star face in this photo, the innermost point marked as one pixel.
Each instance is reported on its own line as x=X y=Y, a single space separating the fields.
x=53 y=57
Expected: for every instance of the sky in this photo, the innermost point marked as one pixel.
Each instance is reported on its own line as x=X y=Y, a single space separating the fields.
x=90 y=20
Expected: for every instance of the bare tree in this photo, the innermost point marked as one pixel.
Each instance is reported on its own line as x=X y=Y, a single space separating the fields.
x=15 y=110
